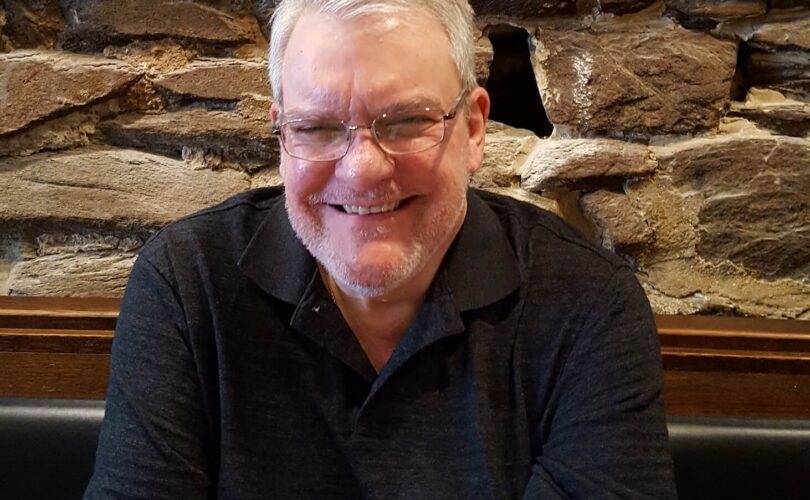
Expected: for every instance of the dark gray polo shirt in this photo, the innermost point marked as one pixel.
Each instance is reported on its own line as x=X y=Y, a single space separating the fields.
x=532 y=370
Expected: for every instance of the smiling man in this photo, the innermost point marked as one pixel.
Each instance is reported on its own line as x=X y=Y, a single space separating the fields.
x=375 y=329
x=378 y=204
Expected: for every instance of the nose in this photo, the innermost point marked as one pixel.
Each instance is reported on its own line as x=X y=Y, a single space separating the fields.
x=365 y=165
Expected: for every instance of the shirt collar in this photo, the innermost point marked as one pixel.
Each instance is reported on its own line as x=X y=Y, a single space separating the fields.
x=480 y=267
x=275 y=259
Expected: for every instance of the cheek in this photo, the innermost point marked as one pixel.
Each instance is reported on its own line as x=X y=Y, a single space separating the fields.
x=282 y=170
x=304 y=177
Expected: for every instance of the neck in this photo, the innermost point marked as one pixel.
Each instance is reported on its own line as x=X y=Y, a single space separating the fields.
x=379 y=323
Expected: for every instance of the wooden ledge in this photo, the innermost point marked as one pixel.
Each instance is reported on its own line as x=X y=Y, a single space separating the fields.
x=59 y=347
x=752 y=367
x=58 y=313
x=735 y=344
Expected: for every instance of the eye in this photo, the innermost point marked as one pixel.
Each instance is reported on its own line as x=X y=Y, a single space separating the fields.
x=315 y=130
x=407 y=126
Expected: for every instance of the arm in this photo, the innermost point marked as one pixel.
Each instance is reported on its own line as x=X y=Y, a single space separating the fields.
x=152 y=442
x=603 y=434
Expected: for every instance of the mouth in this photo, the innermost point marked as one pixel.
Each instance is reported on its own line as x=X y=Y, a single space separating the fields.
x=370 y=209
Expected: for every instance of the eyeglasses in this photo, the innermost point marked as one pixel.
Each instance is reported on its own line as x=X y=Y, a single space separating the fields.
x=396 y=134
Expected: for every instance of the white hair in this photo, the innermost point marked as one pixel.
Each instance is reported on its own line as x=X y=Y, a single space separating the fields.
x=455 y=16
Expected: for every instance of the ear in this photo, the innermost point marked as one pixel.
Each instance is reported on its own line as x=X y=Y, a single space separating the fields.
x=477 y=127
x=275 y=115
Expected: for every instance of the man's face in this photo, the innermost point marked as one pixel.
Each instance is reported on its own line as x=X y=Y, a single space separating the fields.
x=356 y=70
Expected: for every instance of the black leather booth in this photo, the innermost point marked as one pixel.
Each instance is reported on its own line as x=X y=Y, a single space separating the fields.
x=47 y=448
x=724 y=458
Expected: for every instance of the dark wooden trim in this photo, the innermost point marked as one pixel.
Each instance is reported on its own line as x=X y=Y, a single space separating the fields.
x=53 y=375
x=59 y=347
x=56 y=347
x=59 y=313
x=56 y=341
x=752 y=345
x=749 y=367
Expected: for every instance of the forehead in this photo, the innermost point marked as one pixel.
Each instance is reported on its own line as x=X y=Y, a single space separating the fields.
x=329 y=60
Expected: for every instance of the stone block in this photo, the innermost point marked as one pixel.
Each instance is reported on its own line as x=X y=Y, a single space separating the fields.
x=255 y=107
x=152 y=56
x=92 y=24
x=104 y=185
x=535 y=199
x=729 y=226
x=59 y=243
x=792 y=34
x=30 y=24
x=574 y=163
x=93 y=274
x=266 y=177
x=750 y=199
x=671 y=214
x=772 y=110
x=225 y=79
x=633 y=79
x=77 y=264
x=506 y=151
x=239 y=142
x=483 y=58
x=37 y=85
x=523 y=8
x=63 y=132
x=720 y=9
x=694 y=285
x=620 y=225
x=75 y=129
x=624 y=6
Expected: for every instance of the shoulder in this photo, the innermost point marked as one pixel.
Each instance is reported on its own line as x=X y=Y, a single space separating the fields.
x=222 y=230
x=549 y=248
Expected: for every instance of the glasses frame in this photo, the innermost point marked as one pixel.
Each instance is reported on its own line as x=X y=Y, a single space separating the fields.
x=350 y=128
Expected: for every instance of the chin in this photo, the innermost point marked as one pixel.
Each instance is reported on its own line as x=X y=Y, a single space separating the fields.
x=367 y=279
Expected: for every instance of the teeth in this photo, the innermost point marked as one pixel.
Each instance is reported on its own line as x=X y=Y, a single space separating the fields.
x=353 y=209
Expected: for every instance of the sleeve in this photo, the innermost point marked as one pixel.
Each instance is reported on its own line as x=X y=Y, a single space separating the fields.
x=152 y=440
x=604 y=433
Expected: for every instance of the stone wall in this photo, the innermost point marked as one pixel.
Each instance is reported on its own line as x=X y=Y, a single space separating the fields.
x=674 y=132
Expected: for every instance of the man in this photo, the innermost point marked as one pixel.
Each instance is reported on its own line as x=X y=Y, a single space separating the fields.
x=375 y=330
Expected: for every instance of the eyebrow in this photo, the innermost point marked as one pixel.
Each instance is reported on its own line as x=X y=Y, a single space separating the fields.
x=298 y=114
x=417 y=104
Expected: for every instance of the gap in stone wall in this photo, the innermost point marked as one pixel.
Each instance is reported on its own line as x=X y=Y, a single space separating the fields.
x=690 y=22
x=511 y=85
x=175 y=103
x=739 y=84
x=9 y=254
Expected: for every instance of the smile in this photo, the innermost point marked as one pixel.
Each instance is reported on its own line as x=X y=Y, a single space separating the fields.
x=377 y=209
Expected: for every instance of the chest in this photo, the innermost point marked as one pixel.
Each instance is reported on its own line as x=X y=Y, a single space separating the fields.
x=447 y=424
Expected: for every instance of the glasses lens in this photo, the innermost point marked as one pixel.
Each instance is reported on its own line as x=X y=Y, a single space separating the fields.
x=315 y=140
x=409 y=133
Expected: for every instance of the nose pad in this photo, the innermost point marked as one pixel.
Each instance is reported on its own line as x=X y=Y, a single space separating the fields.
x=365 y=163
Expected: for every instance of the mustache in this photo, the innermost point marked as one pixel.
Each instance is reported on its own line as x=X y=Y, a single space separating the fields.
x=343 y=195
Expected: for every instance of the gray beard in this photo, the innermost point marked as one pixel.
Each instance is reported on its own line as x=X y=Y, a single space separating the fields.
x=392 y=277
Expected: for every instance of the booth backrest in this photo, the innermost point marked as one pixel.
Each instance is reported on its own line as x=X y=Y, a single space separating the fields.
x=47 y=449
x=737 y=458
